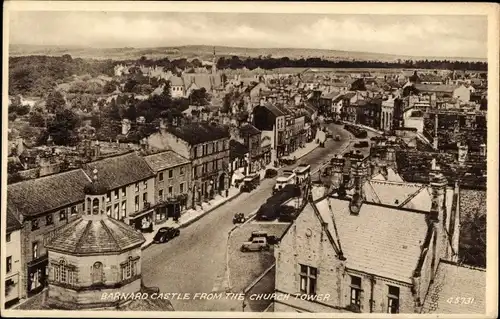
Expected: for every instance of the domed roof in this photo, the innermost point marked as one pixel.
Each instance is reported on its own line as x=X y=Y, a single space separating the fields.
x=95 y=237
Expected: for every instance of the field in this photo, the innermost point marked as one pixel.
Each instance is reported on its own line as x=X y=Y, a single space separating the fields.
x=205 y=52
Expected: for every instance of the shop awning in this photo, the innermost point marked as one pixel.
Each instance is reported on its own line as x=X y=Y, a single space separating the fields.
x=141 y=213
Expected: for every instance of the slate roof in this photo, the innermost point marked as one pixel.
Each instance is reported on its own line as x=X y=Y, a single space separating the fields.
x=95 y=237
x=237 y=149
x=118 y=171
x=435 y=88
x=164 y=160
x=12 y=222
x=249 y=130
x=196 y=133
x=368 y=240
x=48 y=193
x=176 y=81
x=275 y=110
x=454 y=281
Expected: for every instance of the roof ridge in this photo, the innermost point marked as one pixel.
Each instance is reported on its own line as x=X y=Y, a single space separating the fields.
x=327 y=231
x=374 y=192
x=412 y=196
x=84 y=233
x=110 y=233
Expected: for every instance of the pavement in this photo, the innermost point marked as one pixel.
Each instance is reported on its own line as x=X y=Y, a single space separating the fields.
x=195 y=262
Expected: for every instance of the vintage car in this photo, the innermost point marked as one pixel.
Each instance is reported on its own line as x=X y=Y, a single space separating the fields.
x=239 y=218
x=271 y=173
x=165 y=234
x=288 y=160
x=257 y=244
x=271 y=240
x=250 y=183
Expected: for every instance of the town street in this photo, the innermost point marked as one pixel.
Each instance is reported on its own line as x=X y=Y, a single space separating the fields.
x=194 y=262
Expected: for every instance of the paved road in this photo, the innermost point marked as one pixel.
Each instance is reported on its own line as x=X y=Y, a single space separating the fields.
x=194 y=262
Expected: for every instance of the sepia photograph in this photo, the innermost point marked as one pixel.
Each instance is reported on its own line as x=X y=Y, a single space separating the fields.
x=277 y=159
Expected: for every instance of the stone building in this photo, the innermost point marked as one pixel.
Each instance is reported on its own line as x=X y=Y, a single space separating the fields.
x=13 y=263
x=42 y=206
x=130 y=187
x=207 y=147
x=375 y=247
x=96 y=255
x=172 y=182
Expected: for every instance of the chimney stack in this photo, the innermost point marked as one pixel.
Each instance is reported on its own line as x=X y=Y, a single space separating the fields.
x=359 y=172
x=435 y=142
x=438 y=185
x=337 y=163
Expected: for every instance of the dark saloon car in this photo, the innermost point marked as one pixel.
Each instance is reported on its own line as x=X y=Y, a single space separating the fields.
x=165 y=234
x=239 y=218
x=271 y=173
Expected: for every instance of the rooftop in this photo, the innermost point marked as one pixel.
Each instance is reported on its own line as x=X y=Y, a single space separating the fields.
x=48 y=193
x=376 y=227
x=249 y=130
x=95 y=237
x=118 y=171
x=12 y=222
x=454 y=281
x=196 y=133
x=165 y=160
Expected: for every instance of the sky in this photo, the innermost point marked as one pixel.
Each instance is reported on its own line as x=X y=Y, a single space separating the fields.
x=414 y=35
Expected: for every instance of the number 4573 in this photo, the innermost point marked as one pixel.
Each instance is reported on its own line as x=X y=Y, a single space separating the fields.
x=460 y=300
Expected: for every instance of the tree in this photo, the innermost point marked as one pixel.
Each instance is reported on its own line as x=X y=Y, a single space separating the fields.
x=114 y=110
x=131 y=113
x=37 y=119
x=62 y=127
x=199 y=97
x=226 y=105
x=55 y=101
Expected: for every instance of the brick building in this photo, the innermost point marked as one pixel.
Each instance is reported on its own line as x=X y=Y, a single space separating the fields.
x=374 y=249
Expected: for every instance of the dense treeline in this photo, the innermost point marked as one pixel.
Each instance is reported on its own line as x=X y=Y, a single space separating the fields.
x=273 y=63
x=37 y=75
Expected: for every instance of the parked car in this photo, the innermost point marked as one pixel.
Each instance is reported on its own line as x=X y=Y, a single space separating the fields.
x=271 y=173
x=257 y=244
x=250 y=183
x=165 y=234
x=288 y=214
x=271 y=239
x=239 y=218
x=288 y=160
x=361 y=144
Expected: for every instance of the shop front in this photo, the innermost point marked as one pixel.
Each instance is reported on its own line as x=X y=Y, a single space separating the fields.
x=37 y=275
x=12 y=290
x=143 y=220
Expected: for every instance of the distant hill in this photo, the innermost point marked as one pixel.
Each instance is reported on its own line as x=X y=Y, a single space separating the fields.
x=206 y=52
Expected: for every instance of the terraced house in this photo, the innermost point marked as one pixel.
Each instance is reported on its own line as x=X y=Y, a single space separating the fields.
x=379 y=248
x=172 y=183
x=206 y=146
x=42 y=206
x=12 y=260
x=129 y=182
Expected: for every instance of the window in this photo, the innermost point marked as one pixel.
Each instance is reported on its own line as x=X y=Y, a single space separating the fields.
x=216 y=146
x=355 y=290
x=49 y=219
x=136 y=187
x=34 y=224
x=62 y=215
x=108 y=197
x=308 y=280
x=9 y=264
x=129 y=268
x=34 y=250
x=95 y=206
x=8 y=238
x=108 y=210
x=393 y=300
x=145 y=185
x=97 y=272
x=124 y=191
x=145 y=197
x=181 y=187
x=124 y=209
x=74 y=210
x=160 y=194
x=160 y=176
x=116 y=194
x=62 y=264
x=181 y=170
x=216 y=162
x=195 y=151
x=116 y=211
x=136 y=202
x=170 y=173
